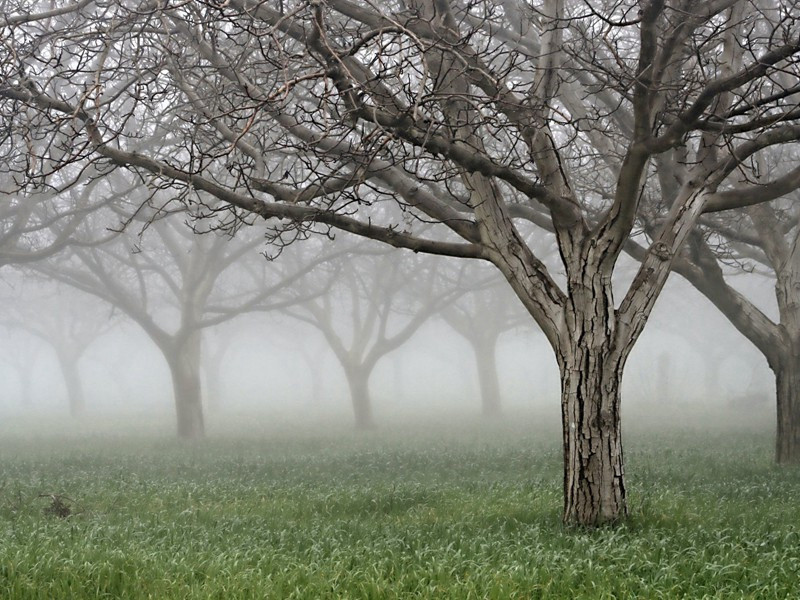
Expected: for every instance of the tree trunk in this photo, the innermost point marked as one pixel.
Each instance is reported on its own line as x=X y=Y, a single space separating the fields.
x=358 y=380
x=591 y=357
x=26 y=384
x=787 y=385
x=398 y=379
x=486 y=359
x=594 y=487
x=73 y=384
x=184 y=363
x=787 y=365
x=664 y=372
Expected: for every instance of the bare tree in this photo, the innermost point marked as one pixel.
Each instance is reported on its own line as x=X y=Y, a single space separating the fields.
x=484 y=117
x=765 y=237
x=376 y=304
x=65 y=326
x=174 y=283
x=481 y=316
x=21 y=352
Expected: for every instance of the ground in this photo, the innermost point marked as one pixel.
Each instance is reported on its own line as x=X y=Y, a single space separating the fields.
x=458 y=511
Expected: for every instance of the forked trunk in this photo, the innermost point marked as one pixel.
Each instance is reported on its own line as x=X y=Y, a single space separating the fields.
x=487 y=378
x=594 y=485
x=787 y=384
x=184 y=363
x=358 y=380
x=591 y=358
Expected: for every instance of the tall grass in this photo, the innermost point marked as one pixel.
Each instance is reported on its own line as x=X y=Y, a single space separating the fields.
x=391 y=515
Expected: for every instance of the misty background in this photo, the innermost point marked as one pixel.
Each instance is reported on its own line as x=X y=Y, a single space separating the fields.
x=269 y=368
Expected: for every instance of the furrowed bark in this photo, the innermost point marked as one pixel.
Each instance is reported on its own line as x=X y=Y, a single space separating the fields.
x=787 y=385
x=591 y=360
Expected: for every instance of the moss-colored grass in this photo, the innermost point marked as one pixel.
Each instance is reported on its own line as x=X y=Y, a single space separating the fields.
x=386 y=515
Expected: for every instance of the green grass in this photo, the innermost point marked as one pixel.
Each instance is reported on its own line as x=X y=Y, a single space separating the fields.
x=473 y=513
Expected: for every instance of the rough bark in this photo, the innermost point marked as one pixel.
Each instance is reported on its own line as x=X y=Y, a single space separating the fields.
x=358 y=380
x=594 y=486
x=787 y=385
x=591 y=365
x=184 y=364
x=787 y=365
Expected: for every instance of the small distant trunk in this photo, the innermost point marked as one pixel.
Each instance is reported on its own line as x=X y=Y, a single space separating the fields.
x=358 y=380
x=787 y=384
x=26 y=385
x=315 y=369
x=317 y=395
x=213 y=387
x=664 y=370
x=712 y=377
x=398 y=379
x=594 y=486
x=485 y=356
x=72 y=381
x=184 y=363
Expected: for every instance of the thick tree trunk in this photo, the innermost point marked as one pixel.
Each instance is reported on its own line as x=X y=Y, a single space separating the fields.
x=73 y=384
x=591 y=359
x=594 y=486
x=184 y=363
x=486 y=360
x=787 y=364
x=787 y=385
x=358 y=380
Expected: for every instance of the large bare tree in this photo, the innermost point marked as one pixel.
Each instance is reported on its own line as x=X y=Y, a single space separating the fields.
x=484 y=117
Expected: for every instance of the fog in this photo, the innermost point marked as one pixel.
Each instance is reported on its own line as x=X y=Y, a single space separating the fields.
x=267 y=370
x=355 y=299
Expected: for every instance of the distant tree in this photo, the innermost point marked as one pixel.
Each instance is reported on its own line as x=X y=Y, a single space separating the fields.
x=21 y=352
x=375 y=304
x=481 y=316
x=174 y=282
x=766 y=237
x=67 y=326
x=219 y=341
x=484 y=117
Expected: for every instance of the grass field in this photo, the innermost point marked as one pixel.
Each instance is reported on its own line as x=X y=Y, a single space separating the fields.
x=465 y=512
